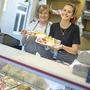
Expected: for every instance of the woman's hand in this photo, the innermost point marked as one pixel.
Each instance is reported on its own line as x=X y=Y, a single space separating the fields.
x=24 y=32
x=56 y=47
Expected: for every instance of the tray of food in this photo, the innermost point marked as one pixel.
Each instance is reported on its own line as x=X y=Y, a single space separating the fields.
x=39 y=34
x=48 y=41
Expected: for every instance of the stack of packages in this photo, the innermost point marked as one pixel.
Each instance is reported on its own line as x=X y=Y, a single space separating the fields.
x=82 y=67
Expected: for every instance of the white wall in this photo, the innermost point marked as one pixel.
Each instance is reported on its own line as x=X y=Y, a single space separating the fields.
x=8 y=17
x=1 y=6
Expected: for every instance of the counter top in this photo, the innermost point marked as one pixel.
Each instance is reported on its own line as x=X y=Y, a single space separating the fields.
x=42 y=64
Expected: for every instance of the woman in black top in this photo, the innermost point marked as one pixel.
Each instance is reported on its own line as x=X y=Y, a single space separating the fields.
x=69 y=35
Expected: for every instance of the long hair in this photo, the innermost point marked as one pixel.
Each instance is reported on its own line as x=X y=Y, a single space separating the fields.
x=74 y=18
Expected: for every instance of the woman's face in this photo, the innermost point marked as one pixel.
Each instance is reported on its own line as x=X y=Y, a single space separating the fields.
x=67 y=12
x=43 y=16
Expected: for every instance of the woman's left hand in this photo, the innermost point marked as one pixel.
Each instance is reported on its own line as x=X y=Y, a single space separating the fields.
x=57 y=47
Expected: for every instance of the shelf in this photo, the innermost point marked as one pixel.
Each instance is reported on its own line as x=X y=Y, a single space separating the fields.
x=59 y=0
x=87 y=0
x=86 y=15
x=86 y=34
x=73 y=1
x=87 y=12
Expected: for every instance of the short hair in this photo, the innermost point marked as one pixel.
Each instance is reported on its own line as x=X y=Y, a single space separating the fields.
x=43 y=8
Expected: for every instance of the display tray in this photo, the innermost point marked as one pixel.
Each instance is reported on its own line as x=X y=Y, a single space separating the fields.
x=13 y=77
x=10 y=83
x=47 y=41
x=34 y=33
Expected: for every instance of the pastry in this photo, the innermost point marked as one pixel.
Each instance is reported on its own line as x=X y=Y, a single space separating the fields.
x=48 y=40
x=39 y=83
x=10 y=81
x=2 y=64
x=56 y=41
x=27 y=76
x=6 y=68
x=23 y=87
x=40 y=34
x=10 y=69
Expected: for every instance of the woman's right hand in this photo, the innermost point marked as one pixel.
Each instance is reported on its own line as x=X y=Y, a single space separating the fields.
x=24 y=32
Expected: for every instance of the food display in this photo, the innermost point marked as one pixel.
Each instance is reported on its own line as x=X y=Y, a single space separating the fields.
x=10 y=81
x=40 y=34
x=7 y=82
x=35 y=33
x=42 y=38
x=47 y=40
x=15 y=78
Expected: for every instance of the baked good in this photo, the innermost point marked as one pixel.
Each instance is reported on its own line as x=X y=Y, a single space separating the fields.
x=10 y=81
x=48 y=40
x=39 y=83
x=2 y=64
x=6 y=68
x=23 y=87
x=10 y=69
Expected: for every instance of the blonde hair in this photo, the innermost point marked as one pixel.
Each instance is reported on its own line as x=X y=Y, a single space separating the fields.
x=43 y=8
x=73 y=6
x=74 y=18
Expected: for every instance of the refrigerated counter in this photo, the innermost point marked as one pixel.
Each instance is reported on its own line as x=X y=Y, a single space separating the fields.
x=19 y=69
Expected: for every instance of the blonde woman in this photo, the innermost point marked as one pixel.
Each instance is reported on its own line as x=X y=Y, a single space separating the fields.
x=41 y=25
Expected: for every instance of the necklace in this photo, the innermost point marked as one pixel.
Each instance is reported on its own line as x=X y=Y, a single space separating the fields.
x=64 y=29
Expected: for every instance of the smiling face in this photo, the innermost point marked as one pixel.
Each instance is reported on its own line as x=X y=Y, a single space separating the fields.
x=67 y=12
x=43 y=13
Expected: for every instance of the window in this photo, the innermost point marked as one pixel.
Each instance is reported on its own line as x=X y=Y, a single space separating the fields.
x=16 y=22
x=21 y=22
x=20 y=17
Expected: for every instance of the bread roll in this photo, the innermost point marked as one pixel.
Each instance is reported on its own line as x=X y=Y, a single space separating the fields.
x=23 y=87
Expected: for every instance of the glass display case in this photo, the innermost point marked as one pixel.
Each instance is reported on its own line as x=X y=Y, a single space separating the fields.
x=18 y=75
